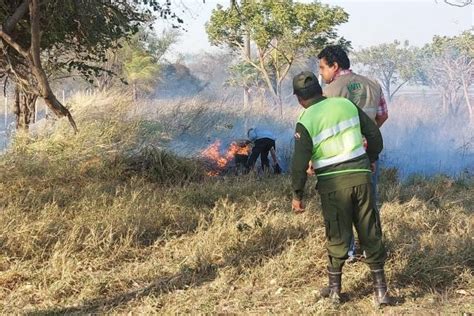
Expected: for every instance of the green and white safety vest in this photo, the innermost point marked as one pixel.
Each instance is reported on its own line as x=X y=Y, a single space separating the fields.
x=334 y=126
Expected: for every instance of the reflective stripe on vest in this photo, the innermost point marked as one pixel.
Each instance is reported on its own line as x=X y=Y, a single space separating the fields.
x=344 y=171
x=334 y=127
x=353 y=121
x=339 y=158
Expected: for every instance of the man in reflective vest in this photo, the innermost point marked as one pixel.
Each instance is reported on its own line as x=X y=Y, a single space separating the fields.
x=330 y=132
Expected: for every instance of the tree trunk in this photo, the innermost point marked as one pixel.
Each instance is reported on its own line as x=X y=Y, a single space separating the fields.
x=452 y=95
x=396 y=90
x=37 y=69
x=466 y=97
x=247 y=53
x=266 y=77
x=386 y=85
x=389 y=92
x=279 y=100
x=445 y=105
x=24 y=109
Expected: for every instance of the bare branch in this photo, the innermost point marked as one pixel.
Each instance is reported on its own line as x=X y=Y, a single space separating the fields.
x=265 y=73
x=286 y=70
x=35 y=34
x=281 y=52
x=398 y=88
x=10 y=23
x=460 y=4
x=247 y=58
x=7 y=38
x=38 y=71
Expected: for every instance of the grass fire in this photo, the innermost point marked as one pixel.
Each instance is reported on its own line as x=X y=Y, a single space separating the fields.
x=114 y=228
x=236 y=157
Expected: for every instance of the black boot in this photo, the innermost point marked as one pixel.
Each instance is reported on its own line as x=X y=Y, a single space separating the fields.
x=381 y=296
x=276 y=168
x=333 y=290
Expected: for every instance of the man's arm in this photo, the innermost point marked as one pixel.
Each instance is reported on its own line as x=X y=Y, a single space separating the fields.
x=301 y=157
x=382 y=110
x=372 y=134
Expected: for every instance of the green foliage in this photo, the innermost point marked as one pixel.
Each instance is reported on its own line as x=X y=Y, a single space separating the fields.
x=151 y=43
x=76 y=35
x=447 y=64
x=463 y=44
x=394 y=64
x=141 y=70
x=244 y=75
x=143 y=49
x=282 y=31
x=456 y=51
x=300 y=26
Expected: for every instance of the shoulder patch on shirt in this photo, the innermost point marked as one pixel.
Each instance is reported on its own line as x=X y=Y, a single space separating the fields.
x=297 y=136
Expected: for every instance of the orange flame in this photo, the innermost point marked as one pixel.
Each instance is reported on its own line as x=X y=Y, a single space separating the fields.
x=212 y=153
x=237 y=149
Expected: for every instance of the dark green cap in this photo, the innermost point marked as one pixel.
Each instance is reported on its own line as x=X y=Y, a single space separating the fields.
x=305 y=80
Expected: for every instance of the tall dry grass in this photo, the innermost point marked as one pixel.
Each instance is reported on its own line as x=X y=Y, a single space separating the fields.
x=107 y=222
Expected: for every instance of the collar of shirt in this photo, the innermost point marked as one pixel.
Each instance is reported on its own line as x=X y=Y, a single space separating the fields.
x=342 y=73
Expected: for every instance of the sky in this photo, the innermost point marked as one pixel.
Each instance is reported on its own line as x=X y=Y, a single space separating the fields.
x=371 y=22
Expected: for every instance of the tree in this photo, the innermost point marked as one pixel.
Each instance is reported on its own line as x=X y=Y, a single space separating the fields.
x=178 y=80
x=28 y=59
x=447 y=65
x=281 y=32
x=141 y=71
x=244 y=75
x=76 y=33
x=138 y=61
x=394 y=64
x=212 y=68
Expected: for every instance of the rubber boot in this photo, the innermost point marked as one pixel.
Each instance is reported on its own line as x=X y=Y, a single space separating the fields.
x=276 y=168
x=333 y=290
x=381 y=296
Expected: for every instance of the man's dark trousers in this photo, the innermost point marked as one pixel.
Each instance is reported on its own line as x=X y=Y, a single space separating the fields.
x=344 y=208
x=262 y=147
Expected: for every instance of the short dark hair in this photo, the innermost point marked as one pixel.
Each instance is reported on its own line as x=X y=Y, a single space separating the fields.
x=335 y=53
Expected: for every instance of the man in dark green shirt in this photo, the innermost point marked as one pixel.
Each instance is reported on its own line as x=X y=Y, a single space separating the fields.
x=330 y=133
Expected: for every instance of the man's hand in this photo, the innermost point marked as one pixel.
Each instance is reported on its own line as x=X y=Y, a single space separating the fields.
x=310 y=171
x=297 y=206
x=373 y=166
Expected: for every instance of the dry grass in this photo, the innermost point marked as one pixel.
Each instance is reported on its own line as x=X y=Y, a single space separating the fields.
x=101 y=222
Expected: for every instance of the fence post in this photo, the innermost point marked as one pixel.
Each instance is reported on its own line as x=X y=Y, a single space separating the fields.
x=36 y=110
x=6 y=112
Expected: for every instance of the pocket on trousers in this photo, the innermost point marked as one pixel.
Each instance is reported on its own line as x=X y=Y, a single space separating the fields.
x=378 y=226
x=332 y=229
